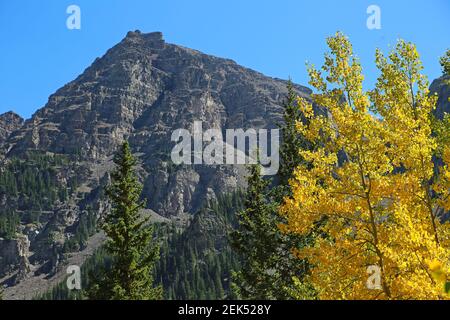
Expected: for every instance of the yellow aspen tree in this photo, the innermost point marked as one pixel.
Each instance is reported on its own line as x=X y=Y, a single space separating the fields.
x=368 y=190
x=403 y=101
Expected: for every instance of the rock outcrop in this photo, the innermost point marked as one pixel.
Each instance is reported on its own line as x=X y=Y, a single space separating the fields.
x=14 y=255
x=9 y=122
x=441 y=87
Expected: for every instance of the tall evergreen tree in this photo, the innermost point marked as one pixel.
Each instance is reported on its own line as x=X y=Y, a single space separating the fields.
x=287 y=266
x=253 y=240
x=292 y=141
x=269 y=267
x=130 y=276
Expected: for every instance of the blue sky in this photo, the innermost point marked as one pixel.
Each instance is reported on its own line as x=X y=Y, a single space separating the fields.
x=39 y=54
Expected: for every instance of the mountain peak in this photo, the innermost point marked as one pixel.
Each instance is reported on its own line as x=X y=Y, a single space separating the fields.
x=156 y=35
x=9 y=122
x=10 y=115
x=151 y=39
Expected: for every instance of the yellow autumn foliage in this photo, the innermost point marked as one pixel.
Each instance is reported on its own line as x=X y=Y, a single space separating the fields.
x=368 y=190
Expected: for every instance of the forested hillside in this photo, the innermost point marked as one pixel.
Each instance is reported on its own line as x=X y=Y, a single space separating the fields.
x=29 y=187
x=195 y=263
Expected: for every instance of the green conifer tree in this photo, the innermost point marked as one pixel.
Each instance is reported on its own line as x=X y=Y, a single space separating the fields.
x=287 y=267
x=292 y=142
x=130 y=238
x=269 y=268
x=253 y=241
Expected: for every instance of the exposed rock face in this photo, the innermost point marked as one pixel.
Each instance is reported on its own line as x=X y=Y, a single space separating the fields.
x=441 y=87
x=9 y=122
x=13 y=254
x=142 y=90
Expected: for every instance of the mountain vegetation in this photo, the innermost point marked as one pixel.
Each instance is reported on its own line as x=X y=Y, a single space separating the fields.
x=129 y=239
x=31 y=188
x=371 y=181
x=359 y=208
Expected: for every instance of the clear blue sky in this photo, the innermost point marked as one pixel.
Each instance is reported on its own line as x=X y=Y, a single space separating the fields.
x=39 y=54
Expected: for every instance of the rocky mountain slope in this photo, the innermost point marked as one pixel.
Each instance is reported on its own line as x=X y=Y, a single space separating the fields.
x=9 y=122
x=441 y=87
x=142 y=90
